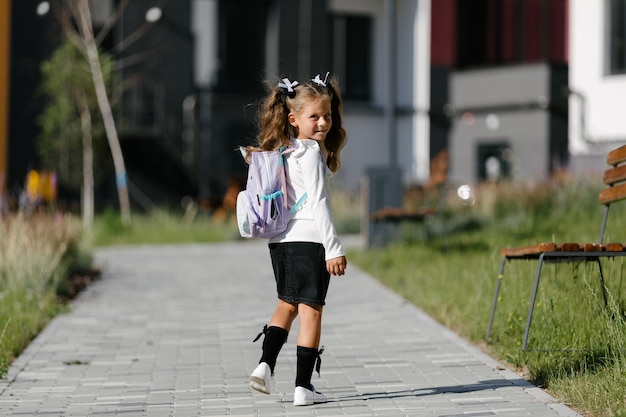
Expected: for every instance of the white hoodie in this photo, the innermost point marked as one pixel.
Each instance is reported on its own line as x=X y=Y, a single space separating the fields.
x=313 y=222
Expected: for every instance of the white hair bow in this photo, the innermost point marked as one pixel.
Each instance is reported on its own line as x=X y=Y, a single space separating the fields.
x=288 y=85
x=317 y=80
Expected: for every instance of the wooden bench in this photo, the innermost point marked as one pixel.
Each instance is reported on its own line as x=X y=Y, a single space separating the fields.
x=387 y=220
x=548 y=252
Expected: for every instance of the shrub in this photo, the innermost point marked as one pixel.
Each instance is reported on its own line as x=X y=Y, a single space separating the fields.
x=37 y=255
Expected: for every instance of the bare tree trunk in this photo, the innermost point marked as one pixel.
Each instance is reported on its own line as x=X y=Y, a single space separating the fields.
x=86 y=29
x=87 y=188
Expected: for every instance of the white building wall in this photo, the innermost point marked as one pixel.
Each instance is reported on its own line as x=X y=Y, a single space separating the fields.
x=605 y=95
x=413 y=88
x=368 y=144
x=374 y=9
x=204 y=29
x=421 y=93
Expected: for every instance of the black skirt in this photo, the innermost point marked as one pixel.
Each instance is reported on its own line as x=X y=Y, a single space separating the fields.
x=300 y=272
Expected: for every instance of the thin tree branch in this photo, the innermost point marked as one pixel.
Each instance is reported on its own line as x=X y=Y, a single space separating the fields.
x=138 y=33
x=62 y=15
x=134 y=59
x=86 y=30
x=111 y=21
x=133 y=37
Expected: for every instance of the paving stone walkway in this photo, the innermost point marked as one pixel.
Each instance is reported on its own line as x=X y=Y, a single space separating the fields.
x=167 y=331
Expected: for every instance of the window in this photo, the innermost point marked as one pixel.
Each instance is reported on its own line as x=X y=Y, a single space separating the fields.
x=617 y=36
x=351 y=55
x=494 y=161
x=241 y=50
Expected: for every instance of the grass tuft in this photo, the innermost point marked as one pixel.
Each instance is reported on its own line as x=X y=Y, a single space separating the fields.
x=37 y=255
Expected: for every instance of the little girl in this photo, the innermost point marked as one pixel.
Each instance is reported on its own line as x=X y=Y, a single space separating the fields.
x=307 y=117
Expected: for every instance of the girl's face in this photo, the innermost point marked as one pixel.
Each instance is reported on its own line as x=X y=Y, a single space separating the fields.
x=314 y=121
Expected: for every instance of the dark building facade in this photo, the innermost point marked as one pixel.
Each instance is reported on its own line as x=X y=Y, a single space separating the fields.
x=31 y=38
x=178 y=135
x=499 y=76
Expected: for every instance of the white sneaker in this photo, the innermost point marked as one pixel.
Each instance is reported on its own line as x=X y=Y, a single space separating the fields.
x=260 y=378
x=303 y=396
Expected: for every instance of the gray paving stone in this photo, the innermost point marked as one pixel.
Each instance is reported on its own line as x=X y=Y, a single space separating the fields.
x=168 y=331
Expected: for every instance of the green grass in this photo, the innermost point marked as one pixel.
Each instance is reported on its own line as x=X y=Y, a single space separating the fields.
x=452 y=276
x=158 y=227
x=449 y=271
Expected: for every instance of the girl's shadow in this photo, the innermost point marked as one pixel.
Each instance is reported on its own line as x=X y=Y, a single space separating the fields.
x=421 y=392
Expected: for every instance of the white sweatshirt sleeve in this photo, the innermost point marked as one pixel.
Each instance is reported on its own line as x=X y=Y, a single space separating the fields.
x=315 y=181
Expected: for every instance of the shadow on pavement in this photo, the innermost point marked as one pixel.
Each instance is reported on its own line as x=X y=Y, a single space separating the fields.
x=421 y=392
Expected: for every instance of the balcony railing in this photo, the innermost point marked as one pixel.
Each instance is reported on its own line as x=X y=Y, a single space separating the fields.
x=144 y=112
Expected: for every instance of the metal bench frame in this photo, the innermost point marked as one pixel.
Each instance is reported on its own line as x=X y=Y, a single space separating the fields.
x=615 y=178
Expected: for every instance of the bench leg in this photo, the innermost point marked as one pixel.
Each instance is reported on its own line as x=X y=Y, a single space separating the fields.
x=495 y=297
x=532 y=302
x=382 y=232
x=377 y=234
x=606 y=301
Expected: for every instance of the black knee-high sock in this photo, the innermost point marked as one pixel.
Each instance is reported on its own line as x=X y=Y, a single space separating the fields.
x=275 y=338
x=306 y=363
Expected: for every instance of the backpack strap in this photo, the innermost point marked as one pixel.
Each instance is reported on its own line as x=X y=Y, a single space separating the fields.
x=283 y=151
x=269 y=197
x=299 y=203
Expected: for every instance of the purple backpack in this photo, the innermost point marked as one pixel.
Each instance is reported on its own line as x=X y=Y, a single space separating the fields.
x=262 y=207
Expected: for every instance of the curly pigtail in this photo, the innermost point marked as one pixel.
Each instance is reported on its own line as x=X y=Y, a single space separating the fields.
x=273 y=126
x=337 y=136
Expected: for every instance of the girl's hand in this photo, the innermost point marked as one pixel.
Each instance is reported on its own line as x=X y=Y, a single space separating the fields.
x=337 y=266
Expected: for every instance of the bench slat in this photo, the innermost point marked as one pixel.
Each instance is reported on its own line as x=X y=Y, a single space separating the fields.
x=616 y=155
x=615 y=175
x=592 y=247
x=538 y=249
x=529 y=250
x=391 y=213
x=568 y=247
x=614 y=247
x=612 y=194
